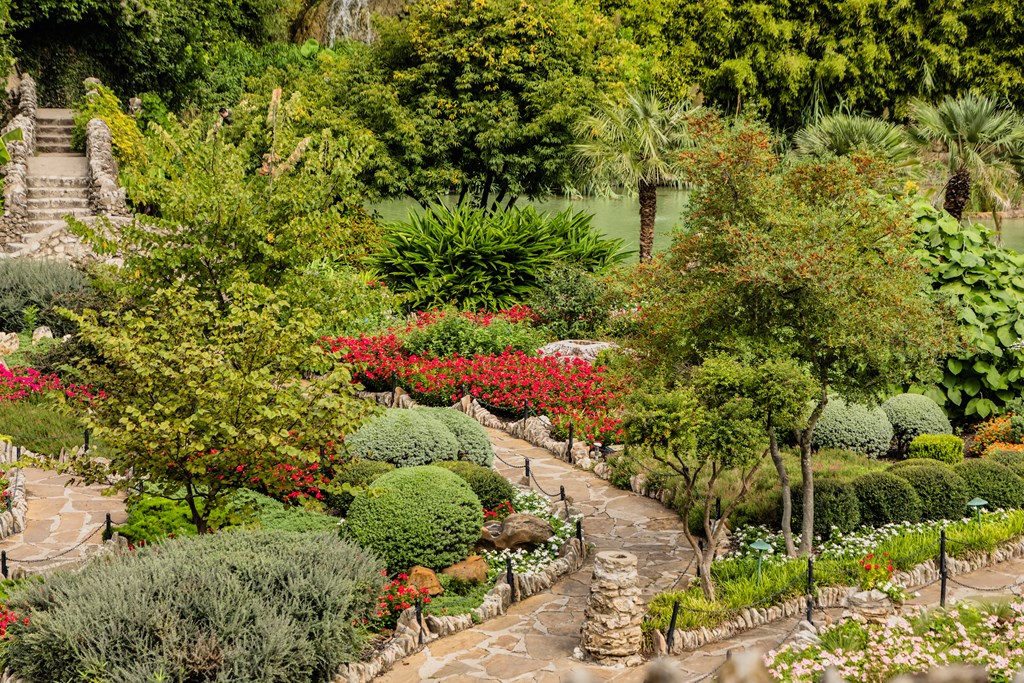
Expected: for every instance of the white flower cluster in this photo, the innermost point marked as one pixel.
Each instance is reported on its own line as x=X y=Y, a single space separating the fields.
x=538 y=559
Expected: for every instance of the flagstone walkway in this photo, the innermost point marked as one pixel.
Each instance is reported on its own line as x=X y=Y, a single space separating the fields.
x=63 y=522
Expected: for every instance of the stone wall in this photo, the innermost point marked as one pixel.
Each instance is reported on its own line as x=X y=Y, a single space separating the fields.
x=15 y=218
x=105 y=195
x=12 y=519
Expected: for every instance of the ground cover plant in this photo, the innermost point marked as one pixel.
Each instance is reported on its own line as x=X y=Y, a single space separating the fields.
x=298 y=600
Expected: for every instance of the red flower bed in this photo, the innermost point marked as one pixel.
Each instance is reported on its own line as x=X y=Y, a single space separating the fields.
x=562 y=389
x=20 y=383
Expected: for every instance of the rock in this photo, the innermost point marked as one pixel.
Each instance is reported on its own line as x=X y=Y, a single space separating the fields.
x=472 y=570
x=425 y=579
x=41 y=332
x=521 y=529
x=659 y=647
x=576 y=348
x=9 y=343
x=872 y=598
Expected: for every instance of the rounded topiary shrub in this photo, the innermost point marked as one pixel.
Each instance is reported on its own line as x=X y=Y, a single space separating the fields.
x=992 y=481
x=912 y=415
x=474 y=446
x=836 y=507
x=917 y=462
x=490 y=487
x=1014 y=459
x=853 y=427
x=945 y=447
x=357 y=474
x=885 y=498
x=416 y=516
x=404 y=438
x=241 y=606
x=942 y=491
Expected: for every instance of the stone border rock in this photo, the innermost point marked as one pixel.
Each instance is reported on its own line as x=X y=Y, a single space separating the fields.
x=15 y=218
x=12 y=520
x=105 y=195
x=920 y=576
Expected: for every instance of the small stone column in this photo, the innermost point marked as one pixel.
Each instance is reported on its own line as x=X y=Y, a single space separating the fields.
x=611 y=629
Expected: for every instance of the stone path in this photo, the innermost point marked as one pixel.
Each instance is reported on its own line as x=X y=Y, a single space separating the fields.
x=58 y=181
x=60 y=519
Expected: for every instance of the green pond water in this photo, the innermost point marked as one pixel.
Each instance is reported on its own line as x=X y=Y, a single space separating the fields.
x=620 y=217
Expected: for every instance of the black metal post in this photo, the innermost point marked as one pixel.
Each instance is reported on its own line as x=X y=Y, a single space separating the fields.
x=3 y=563
x=18 y=452
x=942 y=567
x=569 y=451
x=86 y=440
x=561 y=492
x=528 y=474
x=510 y=577
x=419 y=618
x=728 y=655
x=109 y=527
x=718 y=508
x=810 y=590
x=579 y=531
x=672 y=627
x=526 y=410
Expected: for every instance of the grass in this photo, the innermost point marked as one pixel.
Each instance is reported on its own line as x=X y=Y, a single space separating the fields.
x=736 y=583
x=36 y=425
x=27 y=351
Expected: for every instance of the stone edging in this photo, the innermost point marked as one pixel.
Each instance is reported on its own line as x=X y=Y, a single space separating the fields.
x=15 y=218
x=922 y=575
x=105 y=195
x=12 y=520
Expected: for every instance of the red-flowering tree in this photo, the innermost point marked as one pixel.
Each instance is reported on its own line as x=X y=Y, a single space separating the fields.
x=202 y=400
x=809 y=261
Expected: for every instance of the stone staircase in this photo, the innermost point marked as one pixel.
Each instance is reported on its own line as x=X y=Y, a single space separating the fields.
x=58 y=181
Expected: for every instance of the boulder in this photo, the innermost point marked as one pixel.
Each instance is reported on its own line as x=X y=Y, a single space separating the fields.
x=576 y=348
x=522 y=529
x=425 y=580
x=471 y=570
x=41 y=332
x=9 y=343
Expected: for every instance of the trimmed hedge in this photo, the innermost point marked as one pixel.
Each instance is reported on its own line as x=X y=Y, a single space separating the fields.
x=357 y=474
x=917 y=462
x=1014 y=459
x=853 y=427
x=942 y=491
x=993 y=482
x=404 y=438
x=474 y=445
x=835 y=506
x=912 y=415
x=885 y=498
x=945 y=447
x=242 y=606
x=490 y=487
x=416 y=516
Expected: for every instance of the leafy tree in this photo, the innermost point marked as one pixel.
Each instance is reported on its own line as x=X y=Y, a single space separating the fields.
x=199 y=401
x=982 y=142
x=478 y=98
x=843 y=135
x=807 y=262
x=634 y=145
x=710 y=427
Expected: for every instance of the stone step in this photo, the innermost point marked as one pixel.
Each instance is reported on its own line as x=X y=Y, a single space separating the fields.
x=44 y=118
x=57 y=214
x=57 y=192
x=57 y=181
x=53 y=126
x=81 y=202
x=53 y=147
x=54 y=136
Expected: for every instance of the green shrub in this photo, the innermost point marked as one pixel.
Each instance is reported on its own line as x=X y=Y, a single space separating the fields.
x=912 y=415
x=942 y=491
x=479 y=260
x=835 y=507
x=43 y=286
x=570 y=303
x=993 y=482
x=404 y=438
x=474 y=444
x=453 y=334
x=917 y=462
x=243 y=606
x=128 y=140
x=357 y=474
x=490 y=487
x=885 y=498
x=853 y=427
x=417 y=516
x=1012 y=459
x=948 y=448
x=36 y=424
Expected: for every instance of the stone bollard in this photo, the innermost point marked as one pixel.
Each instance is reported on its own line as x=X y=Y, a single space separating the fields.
x=611 y=629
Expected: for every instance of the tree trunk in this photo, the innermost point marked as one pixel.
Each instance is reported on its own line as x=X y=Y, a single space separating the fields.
x=197 y=519
x=787 y=492
x=958 y=193
x=648 y=209
x=706 y=585
x=807 y=524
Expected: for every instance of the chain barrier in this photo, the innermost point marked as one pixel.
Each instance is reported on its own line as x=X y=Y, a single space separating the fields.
x=63 y=552
x=1010 y=587
x=508 y=464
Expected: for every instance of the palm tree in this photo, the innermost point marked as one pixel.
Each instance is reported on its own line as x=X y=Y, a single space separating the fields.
x=634 y=145
x=983 y=144
x=844 y=134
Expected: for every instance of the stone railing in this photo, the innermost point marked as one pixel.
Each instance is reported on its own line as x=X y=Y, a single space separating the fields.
x=15 y=219
x=105 y=195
